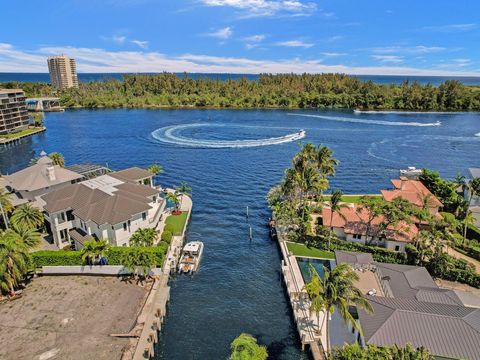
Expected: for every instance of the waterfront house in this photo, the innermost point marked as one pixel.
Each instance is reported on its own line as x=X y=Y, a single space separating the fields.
x=414 y=192
x=409 y=307
x=351 y=224
x=27 y=185
x=110 y=207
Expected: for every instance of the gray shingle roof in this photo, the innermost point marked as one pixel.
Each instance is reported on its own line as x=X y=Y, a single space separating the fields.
x=132 y=174
x=72 y=197
x=351 y=257
x=448 y=330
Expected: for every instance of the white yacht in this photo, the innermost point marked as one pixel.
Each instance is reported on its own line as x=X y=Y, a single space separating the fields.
x=191 y=256
x=411 y=173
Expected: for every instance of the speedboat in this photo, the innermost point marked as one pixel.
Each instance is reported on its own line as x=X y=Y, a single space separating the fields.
x=411 y=173
x=191 y=256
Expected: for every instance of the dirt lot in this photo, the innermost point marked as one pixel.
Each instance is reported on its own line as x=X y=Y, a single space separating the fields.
x=70 y=317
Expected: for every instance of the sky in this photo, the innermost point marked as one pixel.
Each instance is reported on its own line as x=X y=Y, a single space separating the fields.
x=371 y=37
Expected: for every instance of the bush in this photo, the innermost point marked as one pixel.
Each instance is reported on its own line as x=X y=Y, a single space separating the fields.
x=169 y=227
x=473 y=233
x=56 y=258
x=167 y=236
x=113 y=255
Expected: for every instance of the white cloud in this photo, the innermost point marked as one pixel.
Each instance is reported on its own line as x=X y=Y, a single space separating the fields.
x=101 y=60
x=333 y=54
x=119 y=39
x=223 y=34
x=294 y=43
x=388 y=58
x=255 y=38
x=140 y=43
x=419 y=49
x=334 y=38
x=255 y=8
x=452 y=27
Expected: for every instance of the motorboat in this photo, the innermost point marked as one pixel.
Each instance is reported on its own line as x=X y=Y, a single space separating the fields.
x=190 y=258
x=411 y=173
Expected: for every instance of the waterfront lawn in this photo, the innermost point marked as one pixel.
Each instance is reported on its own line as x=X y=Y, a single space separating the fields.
x=20 y=133
x=354 y=199
x=178 y=222
x=302 y=250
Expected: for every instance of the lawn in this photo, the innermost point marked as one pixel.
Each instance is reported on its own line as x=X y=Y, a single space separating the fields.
x=178 y=222
x=20 y=133
x=302 y=250
x=355 y=199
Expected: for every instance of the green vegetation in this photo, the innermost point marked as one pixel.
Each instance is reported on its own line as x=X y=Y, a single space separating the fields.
x=26 y=216
x=20 y=133
x=113 y=254
x=178 y=222
x=138 y=262
x=269 y=91
x=245 y=347
x=371 y=352
x=143 y=237
x=57 y=159
x=94 y=250
x=302 y=250
x=336 y=291
x=352 y=199
x=167 y=236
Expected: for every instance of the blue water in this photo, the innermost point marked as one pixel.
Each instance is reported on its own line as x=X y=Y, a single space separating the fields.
x=238 y=288
x=378 y=79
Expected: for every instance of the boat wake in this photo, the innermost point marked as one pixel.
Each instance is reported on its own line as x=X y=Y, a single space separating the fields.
x=477 y=134
x=369 y=121
x=403 y=112
x=170 y=135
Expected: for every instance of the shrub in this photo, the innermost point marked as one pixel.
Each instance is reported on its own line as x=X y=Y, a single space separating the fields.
x=114 y=256
x=169 y=227
x=167 y=236
x=473 y=232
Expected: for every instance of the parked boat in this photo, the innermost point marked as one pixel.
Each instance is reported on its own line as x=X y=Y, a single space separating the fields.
x=191 y=256
x=411 y=173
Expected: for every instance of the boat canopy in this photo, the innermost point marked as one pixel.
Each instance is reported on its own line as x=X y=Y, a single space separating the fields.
x=192 y=247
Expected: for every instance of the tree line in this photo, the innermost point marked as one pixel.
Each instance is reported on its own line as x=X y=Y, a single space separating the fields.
x=269 y=91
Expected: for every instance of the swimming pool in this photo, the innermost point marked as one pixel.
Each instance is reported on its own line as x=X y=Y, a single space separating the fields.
x=318 y=264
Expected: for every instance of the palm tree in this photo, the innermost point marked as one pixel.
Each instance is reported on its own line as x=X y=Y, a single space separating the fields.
x=314 y=290
x=5 y=206
x=155 y=169
x=325 y=161
x=138 y=262
x=245 y=347
x=336 y=206
x=89 y=251
x=143 y=237
x=373 y=207
x=26 y=216
x=174 y=198
x=57 y=159
x=468 y=220
x=14 y=259
x=27 y=236
x=338 y=292
x=183 y=189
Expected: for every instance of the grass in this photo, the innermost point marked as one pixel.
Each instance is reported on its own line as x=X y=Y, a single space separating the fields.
x=21 y=133
x=178 y=222
x=354 y=199
x=302 y=250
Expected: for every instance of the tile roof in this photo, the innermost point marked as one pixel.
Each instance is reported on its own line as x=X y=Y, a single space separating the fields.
x=35 y=177
x=412 y=190
x=351 y=257
x=448 y=330
x=354 y=221
x=133 y=174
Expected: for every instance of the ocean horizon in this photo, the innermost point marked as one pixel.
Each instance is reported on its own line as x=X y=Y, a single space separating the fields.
x=378 y=79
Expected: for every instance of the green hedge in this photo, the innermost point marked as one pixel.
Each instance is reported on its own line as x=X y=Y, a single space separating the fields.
x=167 y=236
x=113 y=255
x=473 y=233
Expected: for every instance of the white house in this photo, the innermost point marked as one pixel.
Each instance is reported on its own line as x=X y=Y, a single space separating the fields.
x=110 y=207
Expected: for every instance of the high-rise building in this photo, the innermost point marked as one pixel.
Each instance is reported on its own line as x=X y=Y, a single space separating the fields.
x=13 y=111
x=63 y=72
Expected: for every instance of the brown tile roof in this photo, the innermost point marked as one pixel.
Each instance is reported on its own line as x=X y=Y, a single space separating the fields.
x=355 y=222
x=133 y=174
x=138 y=189
x=72 y=197
x=448 y=330
x=351 y=257
x=411 y=190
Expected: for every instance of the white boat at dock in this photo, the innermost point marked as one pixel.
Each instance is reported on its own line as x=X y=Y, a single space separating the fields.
x=191 y=256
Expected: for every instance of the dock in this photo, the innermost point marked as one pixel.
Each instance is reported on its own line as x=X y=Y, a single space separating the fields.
x=16 y=140
x=306 y=323
x=154 y=311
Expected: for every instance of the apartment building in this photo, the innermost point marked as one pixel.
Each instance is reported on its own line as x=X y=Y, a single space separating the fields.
x=13 y=111
x=63 y=72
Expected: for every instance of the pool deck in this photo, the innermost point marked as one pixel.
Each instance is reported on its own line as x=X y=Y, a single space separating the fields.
x=307 y=323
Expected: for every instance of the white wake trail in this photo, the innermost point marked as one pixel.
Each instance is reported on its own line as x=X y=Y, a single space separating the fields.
x=367 y=121
x=167 y=135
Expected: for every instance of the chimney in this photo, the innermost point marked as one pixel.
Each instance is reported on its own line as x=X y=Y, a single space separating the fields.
x=51 y=173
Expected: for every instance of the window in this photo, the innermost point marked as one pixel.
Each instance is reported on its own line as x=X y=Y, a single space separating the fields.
x=62 y=216
x=154 y=199
x=124 y=226
x=144 y=216
x=397 y=247
x=357 y=236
